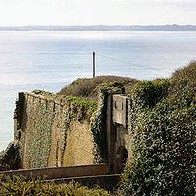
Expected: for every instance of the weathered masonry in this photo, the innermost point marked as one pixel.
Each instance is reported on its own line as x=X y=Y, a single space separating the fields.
x=54 y=133
x=117 y=130
x=120 y=110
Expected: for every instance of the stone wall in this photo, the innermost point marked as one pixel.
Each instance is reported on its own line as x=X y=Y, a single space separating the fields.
x=120 y=150
x=52 y=133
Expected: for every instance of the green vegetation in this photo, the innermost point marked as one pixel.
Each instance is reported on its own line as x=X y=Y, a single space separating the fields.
x=38 y=135
x=163 y=131
x=83 y=103
x=161 y=127
x=89 y=87
x=20 y=186
x=98 y=127
x=48 y=95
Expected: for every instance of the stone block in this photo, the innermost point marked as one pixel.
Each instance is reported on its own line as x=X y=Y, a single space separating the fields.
x=120 y=109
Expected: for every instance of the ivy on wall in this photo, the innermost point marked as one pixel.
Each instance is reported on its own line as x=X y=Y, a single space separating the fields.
x=98 y=124
x=98 y=127
x=38 y=133
x=43 y=115
x=41 y=138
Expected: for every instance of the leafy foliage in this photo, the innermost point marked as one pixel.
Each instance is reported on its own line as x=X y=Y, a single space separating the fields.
x=98 y=127
x=81 y=102
x=163 y=130
x=48 y=95
x=20 y=186
x=146 y=94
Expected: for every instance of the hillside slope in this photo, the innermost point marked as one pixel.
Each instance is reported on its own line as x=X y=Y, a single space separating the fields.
x=89 y=87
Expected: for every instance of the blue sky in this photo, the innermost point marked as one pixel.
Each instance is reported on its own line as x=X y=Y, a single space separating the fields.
x=95 y=12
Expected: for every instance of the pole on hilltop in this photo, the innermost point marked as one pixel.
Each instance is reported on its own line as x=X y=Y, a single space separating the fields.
x=93 y=64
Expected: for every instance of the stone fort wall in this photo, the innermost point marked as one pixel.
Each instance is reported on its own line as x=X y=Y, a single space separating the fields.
x=52 y=133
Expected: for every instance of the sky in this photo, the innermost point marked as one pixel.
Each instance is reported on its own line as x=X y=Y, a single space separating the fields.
x=97 y=12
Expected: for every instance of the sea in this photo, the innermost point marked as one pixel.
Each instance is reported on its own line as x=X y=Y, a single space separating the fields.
x=50 y=60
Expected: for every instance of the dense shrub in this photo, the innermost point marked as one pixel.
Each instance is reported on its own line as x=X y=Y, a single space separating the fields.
x=20 y=186
x=163 y=131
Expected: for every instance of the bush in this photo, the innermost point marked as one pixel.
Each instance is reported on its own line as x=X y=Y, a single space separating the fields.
x=20 y=186
x=163 y=132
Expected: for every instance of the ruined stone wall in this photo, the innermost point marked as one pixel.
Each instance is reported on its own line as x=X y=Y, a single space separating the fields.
x=53 y=133
x=120 y=149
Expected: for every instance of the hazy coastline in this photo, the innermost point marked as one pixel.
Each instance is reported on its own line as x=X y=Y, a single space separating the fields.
x=173 y=27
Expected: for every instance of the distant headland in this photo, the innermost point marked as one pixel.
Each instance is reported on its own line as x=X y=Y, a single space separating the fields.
x=173 y=27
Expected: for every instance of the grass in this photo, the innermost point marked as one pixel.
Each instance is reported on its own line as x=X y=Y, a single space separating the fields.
x=88 y=87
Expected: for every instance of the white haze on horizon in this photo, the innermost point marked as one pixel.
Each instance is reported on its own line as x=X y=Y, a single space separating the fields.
x=96 y=12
